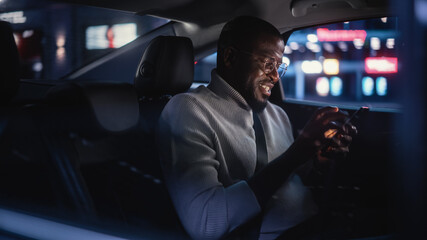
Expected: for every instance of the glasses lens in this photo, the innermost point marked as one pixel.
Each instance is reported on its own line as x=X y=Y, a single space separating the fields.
x=270 y=65
x=282 y=69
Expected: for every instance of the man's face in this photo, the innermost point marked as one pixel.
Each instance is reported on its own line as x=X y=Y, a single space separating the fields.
x=252 y=81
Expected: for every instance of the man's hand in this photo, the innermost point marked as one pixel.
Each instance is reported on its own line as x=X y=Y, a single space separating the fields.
x=338 y=145
x=329 y=132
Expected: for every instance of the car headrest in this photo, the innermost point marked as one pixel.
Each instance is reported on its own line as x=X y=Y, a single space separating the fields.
x=9 y=63
x=93 y=108
x=166 y=68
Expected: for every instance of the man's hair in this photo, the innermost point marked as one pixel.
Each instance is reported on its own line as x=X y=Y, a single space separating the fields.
x=241 y=31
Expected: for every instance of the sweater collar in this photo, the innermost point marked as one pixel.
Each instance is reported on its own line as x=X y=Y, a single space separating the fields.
x=221 y=88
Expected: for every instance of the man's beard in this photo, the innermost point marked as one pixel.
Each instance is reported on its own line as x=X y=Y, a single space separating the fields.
x=256 y=105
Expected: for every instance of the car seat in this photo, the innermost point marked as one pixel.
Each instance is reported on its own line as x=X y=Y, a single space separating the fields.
x=166 y=68
x=83 y=125
x=115 y=159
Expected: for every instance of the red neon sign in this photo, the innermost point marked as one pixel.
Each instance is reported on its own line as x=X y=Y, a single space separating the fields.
x=381 y=65
x=326 y=35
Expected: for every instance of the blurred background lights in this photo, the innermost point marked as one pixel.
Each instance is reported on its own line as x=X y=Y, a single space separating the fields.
x=381 y=86
x=367 y=86
x=329 y=35
x=312 y=38
x=322 y=86
x=358 y=43
x=288 y=50
x=328 y=47
x=115 y=36
x=336 y=86
x=27 y=33
x=381 y=64
x=286 y=60
x=311 y=67
x=37 y=67
x=14 y=17
x=331 y=66
x=389 y=43
x=294 y=45
x=375 y=43
x=60 y=51
x=123 y=33
x=313 y=47
x=343 y=46
x=60 y=41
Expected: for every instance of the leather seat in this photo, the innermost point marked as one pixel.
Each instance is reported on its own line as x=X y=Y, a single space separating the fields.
x=85 y=128
x=166 y=68
x=107 y=132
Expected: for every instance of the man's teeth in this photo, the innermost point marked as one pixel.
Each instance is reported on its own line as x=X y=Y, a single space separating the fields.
x=267 y=88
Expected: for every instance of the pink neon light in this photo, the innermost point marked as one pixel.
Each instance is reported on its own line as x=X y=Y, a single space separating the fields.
x=326 y=35
x=381 y=65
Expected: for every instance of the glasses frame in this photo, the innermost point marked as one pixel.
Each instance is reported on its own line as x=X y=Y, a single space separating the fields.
x=281 y=68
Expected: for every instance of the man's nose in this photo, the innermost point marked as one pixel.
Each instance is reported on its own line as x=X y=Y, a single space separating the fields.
x=274 y=75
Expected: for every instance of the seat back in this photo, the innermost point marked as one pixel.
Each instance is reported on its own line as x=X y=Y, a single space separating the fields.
x=82 y=124
x=100 y=137
x=166 y=68
x=62 y=137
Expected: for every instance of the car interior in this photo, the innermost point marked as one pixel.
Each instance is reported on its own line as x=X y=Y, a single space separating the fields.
x=81 y=149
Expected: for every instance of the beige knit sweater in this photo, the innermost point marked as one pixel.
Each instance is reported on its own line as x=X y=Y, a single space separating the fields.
x=208 y=150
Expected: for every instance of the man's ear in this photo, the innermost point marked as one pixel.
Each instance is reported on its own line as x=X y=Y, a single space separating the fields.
x=229 y=57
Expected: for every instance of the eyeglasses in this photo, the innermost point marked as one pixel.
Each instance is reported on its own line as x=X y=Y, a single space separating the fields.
x=270 y=64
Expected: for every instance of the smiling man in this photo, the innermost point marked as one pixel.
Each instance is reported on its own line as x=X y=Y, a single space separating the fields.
x=251 y=67
x=229 y=158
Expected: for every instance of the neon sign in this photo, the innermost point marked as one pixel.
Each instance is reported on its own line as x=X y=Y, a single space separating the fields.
x=381 y=65
x=326 y=35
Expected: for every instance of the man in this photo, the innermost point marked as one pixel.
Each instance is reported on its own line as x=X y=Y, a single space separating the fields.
x=209 y=148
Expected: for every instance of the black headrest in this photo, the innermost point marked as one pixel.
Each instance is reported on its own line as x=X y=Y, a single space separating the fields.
x=94 y=108
x=166 y=68
x=9 y=63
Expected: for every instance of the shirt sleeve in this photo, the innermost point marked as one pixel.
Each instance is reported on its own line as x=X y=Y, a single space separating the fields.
x=187 y=146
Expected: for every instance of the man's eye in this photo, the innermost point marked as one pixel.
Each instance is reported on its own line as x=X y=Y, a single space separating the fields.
x=269 y=64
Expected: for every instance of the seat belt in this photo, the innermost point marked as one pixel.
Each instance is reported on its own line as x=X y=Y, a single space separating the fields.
x=254 y=226
x=251 y=229
x=261 y=146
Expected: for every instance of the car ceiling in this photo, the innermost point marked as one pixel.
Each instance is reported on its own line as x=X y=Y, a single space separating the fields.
x=201 y=20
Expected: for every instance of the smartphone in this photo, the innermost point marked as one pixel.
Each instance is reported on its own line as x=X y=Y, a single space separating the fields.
x=357 y=113
x=331 y=132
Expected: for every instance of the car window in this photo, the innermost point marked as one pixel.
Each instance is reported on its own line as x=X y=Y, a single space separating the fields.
x=203 y=68
x=347 y=63
x=344 y=63
x=55 y=39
